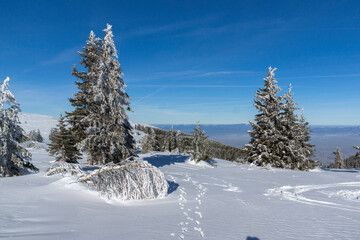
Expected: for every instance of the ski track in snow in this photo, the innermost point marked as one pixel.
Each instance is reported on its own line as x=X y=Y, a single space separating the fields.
x=329 y=191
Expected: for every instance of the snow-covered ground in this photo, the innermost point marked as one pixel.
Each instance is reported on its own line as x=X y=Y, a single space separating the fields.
x=228 y=201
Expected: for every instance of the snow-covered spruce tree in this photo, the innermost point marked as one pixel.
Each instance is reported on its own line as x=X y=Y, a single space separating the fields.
x=296 y=151
x=199 y=145
x=339 y=161
x=170 y=142
x=151 y=142
x=35 y=135
x=63 y=144
x=81 y=100
x=291 y=153
x=307 y=149
x=13 y=157
x=108 y=130
x=267 y=141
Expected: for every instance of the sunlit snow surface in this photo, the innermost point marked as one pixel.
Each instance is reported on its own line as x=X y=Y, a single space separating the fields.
x=228 y=201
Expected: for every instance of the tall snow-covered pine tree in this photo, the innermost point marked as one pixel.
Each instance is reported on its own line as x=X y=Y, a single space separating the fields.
x=267 y=139
x=109 y=136
x=90 y=58
x=13 y=157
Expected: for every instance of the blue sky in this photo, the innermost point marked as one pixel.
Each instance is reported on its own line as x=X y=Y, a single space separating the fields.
x=187 y=61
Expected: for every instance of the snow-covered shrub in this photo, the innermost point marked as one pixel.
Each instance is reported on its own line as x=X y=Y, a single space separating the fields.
x=129 y=180
x=66 y=169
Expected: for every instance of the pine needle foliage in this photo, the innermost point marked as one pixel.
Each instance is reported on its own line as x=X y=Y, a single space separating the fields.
x=63 y=144
x=86 y=79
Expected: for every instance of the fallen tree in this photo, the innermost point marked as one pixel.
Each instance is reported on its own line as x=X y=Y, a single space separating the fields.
x=132 y=179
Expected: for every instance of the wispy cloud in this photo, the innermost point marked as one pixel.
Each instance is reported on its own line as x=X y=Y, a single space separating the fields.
x=188 y=74
x=225 y=73
x=323 y=76
x=194 y=86
x=149 y=95
x=66 y=55
x=170 y=28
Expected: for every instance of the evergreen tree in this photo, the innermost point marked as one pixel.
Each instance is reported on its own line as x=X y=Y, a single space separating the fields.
x=108 y=130
x=304 y=140
x=297 y=149
x=62 y=144
x=339 y=161
x=34 y=135
x=199 y=145
x=267 y=141
x=81 y=99
x=170 y=142
x=13 y=157
x=291 y=153
x=150 y=142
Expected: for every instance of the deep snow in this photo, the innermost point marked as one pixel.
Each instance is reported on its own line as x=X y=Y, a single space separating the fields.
x=228 y=201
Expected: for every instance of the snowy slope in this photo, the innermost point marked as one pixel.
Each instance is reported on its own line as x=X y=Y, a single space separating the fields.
x=44 y=123
x=228 y=201
x=225 y=202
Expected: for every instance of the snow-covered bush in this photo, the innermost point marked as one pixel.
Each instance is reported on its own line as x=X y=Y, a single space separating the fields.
x=129 y=180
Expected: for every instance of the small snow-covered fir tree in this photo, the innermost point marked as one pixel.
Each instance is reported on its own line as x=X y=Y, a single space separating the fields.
x=108 y=130
x=90 y=58
x=339 y=161
x=35 y=135
x=151 y=142
x=267 y=141
x=170 y=142
x=63 y=144
x=13 y=157
x=199 y=145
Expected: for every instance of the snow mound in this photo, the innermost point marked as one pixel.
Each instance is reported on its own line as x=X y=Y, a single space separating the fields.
x=65 y=169
x=130 y=180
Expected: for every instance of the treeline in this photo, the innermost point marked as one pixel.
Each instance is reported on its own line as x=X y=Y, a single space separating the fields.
x=176 y=141
x=341 y=163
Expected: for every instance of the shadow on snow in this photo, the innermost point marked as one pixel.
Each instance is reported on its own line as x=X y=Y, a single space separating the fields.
x=354 y=170
x=162 y=160
x=173 y=186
